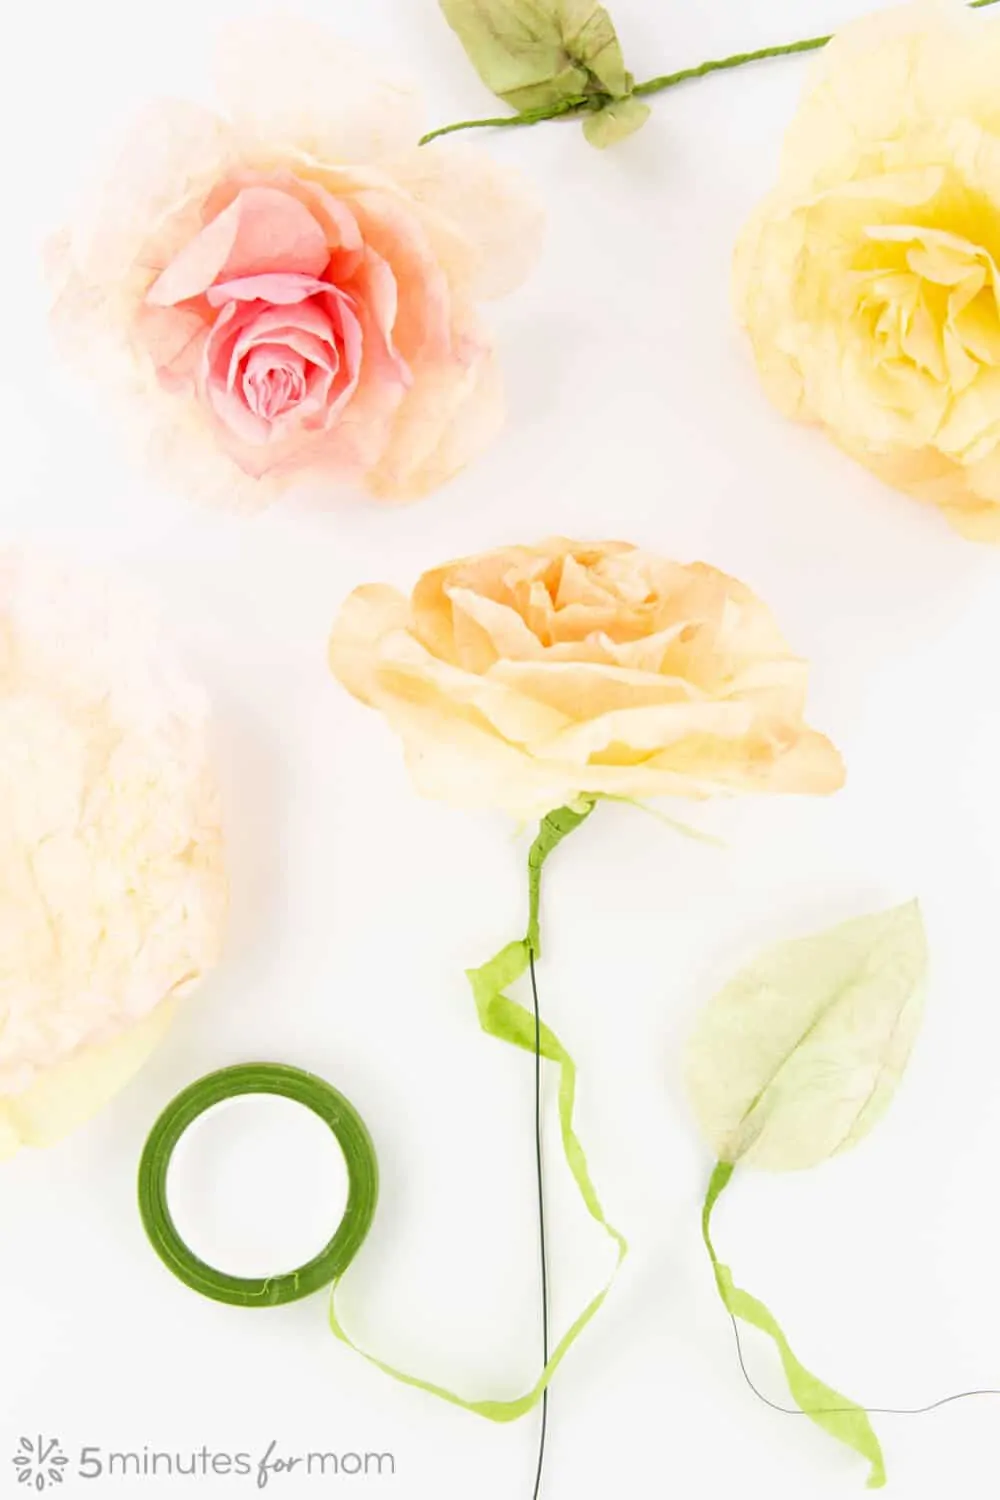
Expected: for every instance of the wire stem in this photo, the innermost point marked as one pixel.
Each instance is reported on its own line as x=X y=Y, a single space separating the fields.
x=554 y=827
x=543 y=1248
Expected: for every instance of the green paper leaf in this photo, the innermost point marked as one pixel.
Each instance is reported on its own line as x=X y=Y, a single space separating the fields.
x=842 y=1418
x=538 y=53
x=510 y=1022
x=615 y=122
x=798 y=1056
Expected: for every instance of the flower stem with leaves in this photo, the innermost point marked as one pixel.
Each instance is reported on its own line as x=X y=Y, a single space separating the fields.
x=556 y=58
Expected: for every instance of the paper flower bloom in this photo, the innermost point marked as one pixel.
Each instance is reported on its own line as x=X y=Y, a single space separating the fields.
x=112 y=890
x=527 y=677
x=868 y=279
x=292 y=288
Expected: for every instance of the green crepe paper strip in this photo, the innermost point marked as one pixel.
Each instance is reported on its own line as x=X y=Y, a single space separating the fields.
x=836 y=1414
x=509 y=1022
x=362 y=1173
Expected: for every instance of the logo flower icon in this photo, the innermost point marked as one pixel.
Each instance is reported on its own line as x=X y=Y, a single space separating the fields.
x=40 y=1462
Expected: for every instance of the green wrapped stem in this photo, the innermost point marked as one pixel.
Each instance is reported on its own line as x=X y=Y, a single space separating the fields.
x=842 y=1418
x=594 y=101
x=510 y=1022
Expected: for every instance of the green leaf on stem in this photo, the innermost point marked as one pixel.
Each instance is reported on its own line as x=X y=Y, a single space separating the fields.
x=548 y=54
x=615 y=122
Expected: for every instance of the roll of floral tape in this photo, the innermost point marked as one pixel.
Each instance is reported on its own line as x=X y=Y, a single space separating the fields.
x=362 y=1173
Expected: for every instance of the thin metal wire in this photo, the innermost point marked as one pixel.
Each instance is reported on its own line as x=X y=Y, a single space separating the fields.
x=540 y=1177
x=832 y=1411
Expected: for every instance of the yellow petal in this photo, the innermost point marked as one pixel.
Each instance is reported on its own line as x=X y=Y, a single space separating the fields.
x=369 y=615
x=71 y=1093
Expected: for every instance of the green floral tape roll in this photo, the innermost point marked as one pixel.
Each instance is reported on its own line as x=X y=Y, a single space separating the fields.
x=362 y=1171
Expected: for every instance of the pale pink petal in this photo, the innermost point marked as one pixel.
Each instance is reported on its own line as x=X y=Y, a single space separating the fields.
x=243 y=428
x=260 y=441
x=359 y=439
x=422 y=327
x=289 y=84
x=453 y=412
x=484 y=220
x=315 y=350
x=240 y=325
x=282 y=287
x=330 y=320
x=262 y=230
x=311 y=412
x=343 y=235
x=332 y=214
x=174 y=338
x=376 y=285
x=314 y=317
x=217 y=353
x=353 y=344
x=311 y=207
x=149 y=193
x=274 y=380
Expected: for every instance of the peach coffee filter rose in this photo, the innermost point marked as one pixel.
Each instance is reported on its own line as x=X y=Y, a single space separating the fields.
x=525 y=677
x=291 y=287
x=868 y=278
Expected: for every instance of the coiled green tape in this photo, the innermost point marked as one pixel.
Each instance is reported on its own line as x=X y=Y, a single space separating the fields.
x=362 y=1172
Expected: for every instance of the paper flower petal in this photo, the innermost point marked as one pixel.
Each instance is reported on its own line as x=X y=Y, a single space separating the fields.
x=868 y=279
x=312 y=170
x=525 y=677
x=480 y=215
x=112 y=881
x=288 y=83
x=68 y=1095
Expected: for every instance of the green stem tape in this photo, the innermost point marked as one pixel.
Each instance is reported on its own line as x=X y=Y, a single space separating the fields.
x=362 y=1172
x=509 y=1022
x=842 y=1418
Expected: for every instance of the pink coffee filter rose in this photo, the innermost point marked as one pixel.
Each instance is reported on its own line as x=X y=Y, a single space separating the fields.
x=291 y=289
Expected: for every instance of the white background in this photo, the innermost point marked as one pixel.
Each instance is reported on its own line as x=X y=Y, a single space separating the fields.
x=635 y=411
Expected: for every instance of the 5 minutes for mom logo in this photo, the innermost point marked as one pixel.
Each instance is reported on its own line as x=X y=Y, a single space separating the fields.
x=40 y=1462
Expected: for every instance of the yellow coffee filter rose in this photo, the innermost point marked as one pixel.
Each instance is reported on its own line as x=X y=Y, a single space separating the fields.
x=868 y=279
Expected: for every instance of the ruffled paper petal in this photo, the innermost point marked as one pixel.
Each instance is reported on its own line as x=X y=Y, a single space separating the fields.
x=471 y=673
x=112 y=879
x=288 y=84
x=68 y=1095
x=486 y=223
x=867 y=279
x=312 y=170
x=452 y=414
x=263 y=232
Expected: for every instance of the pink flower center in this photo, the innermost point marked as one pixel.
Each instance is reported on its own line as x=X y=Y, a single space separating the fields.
x=273 y=379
